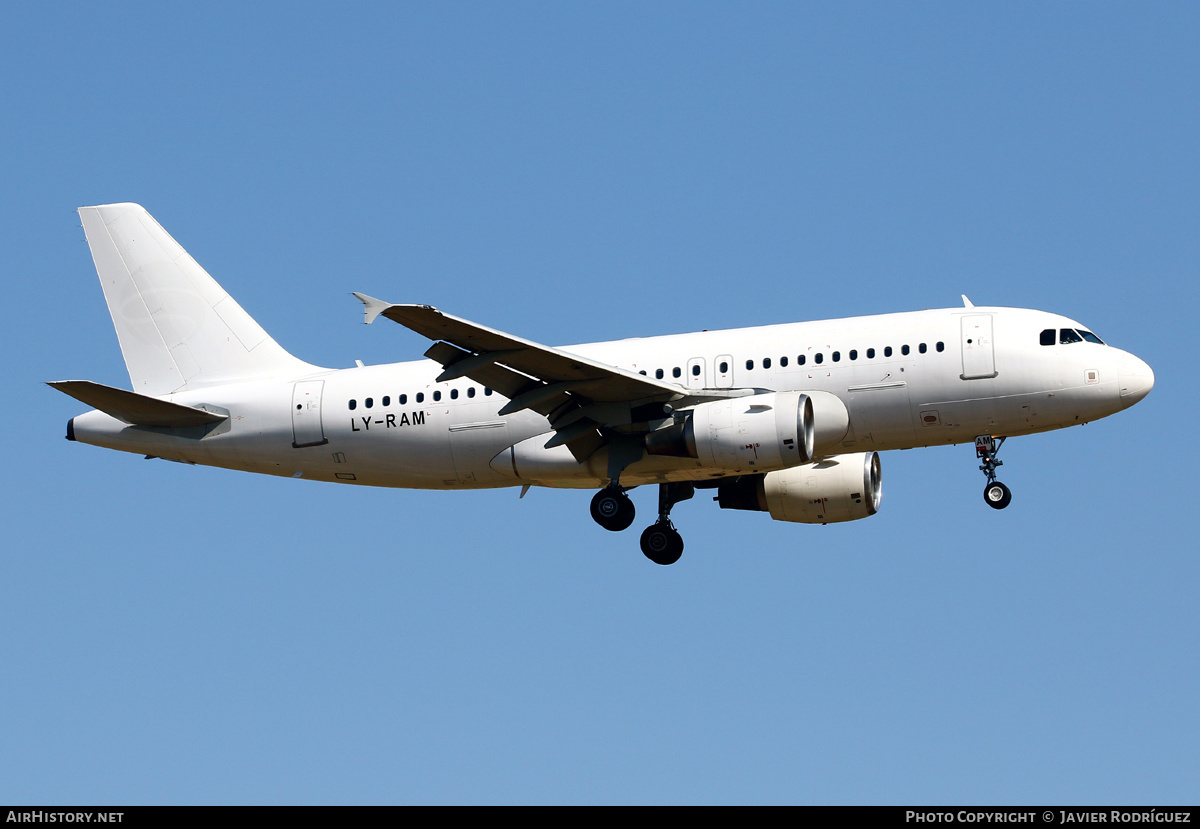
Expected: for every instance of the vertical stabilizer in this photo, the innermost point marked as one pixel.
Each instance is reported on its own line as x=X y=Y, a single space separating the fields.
x=177 y=327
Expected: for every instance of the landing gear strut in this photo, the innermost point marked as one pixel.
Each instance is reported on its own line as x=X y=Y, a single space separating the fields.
x=661 y=542
x=996 y=495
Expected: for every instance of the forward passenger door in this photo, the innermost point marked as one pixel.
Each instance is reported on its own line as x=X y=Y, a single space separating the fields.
x=978 y=356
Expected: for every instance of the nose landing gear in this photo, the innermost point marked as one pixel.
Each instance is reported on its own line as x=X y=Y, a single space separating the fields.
x=996 y=495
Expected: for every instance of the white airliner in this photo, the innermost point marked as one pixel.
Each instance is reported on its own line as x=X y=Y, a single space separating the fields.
x=786 y=419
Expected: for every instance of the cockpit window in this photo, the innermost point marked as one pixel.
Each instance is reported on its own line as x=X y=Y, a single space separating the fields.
x=1048 y=337
x=1090 y=337
x=1068 y=335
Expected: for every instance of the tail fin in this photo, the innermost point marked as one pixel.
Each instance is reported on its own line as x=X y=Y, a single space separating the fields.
x=177 y=327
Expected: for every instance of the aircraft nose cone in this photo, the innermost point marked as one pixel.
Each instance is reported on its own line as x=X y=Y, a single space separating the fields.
x=1136 y=379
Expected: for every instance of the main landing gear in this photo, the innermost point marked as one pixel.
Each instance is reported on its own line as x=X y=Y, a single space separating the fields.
x=661 y=542
x=612 y=509
x=996 y=495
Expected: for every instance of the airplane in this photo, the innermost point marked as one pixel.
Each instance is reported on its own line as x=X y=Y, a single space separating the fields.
x=784 y=419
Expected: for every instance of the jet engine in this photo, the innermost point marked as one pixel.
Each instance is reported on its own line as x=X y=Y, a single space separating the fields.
x=760 y=431
x=775 y=430
x=841 y=488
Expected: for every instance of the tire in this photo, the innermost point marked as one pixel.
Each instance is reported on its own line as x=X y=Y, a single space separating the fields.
x=612 y=510
x=996 y=495
x=662 y=544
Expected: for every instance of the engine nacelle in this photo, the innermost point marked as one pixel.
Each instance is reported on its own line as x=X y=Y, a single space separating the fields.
x=841 y=488
x=753 y=433
x=757 y=433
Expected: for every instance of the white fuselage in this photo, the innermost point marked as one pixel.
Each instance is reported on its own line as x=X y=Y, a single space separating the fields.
x=907 y=380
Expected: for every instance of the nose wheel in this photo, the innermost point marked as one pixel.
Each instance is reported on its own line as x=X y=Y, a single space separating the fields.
x=996 y=495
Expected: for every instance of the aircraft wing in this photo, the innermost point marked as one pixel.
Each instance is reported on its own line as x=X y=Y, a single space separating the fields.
x=579 y=395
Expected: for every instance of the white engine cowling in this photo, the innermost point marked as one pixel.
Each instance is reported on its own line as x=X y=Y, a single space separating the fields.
x=754 y=433
x=757 y=433
x=841 y=488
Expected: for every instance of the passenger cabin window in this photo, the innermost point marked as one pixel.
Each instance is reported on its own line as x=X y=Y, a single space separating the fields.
x=471 y=391
x=696 y=370
x=658 y=374
x=487 y=392
x=369 y=402
x=1068 y=335
x=783 y=362
x=941 y=347
x=766 y=362
x=675 y=372
x=837 y=356
x=453 y=394
x=749 y=365
x=904 y=350
x=922 y=348
x=820 y=358
x=420 y=397
x=800 y=360
x=887 y=351
x=724 y=367
x=353 y=405
x=402 y=399
x=437 y=395
x=387 y=401
x=870 y=354
x=853 y=354
x=1047 y=337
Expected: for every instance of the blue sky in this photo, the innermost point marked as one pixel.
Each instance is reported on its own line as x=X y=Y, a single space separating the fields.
x=576 y=172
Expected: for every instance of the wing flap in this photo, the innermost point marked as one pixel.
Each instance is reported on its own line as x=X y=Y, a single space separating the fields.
x=509 y=383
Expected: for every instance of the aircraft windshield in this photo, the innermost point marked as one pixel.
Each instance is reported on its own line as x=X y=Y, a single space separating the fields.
x=1066 y=336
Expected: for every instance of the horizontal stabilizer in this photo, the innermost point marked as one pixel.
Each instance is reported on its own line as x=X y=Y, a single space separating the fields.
x=135 y=409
